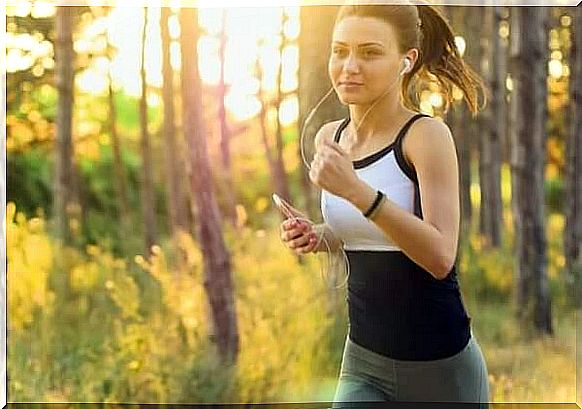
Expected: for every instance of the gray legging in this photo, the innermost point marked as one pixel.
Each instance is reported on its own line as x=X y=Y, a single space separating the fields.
x=368 y=376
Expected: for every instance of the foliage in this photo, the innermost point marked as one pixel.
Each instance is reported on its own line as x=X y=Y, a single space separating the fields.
x=28 y=181
x=99 y=342
x=555 y=195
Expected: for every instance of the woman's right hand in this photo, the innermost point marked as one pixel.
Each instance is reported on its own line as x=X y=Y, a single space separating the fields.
x=299 y=235
x=297 y=231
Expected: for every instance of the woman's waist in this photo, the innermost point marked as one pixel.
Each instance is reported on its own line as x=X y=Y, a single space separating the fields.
x=385 y=270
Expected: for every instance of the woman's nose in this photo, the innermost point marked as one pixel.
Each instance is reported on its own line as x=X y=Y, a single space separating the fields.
x=351 y=63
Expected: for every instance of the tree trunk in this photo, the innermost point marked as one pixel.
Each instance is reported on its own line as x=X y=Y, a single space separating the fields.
x=489 y=142
x=280 y=176
x=124 y=213
x=263 y=125
x=64 y=76
x=314 y=41
x=460 y=119
x=147 y=185
x=573 y=226
x=176 y=197
x=529 y=43
x=217 y=268
x=470 y=128
x=225 y=135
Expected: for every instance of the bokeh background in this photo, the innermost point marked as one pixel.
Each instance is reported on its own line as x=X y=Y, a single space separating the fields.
x=143 y=146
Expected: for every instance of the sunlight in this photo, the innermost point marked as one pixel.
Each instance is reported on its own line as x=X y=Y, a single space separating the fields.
x=42 y=9
x=289 y=111
x=555 y=68
x=252 y=33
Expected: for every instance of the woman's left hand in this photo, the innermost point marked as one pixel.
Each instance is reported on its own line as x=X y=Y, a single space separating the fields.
x=332 y=170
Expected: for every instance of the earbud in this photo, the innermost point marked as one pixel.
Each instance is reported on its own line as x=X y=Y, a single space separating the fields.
x=407 y=66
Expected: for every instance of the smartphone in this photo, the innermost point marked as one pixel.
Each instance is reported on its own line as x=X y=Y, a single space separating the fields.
x=281 y=205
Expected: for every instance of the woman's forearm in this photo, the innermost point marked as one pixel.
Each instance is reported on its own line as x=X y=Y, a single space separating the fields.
x=333 y=242
x=418 y=239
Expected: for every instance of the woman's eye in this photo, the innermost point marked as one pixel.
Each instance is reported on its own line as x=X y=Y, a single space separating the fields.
x=371 y=53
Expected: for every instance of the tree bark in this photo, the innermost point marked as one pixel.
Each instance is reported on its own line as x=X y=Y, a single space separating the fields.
x=280 y=176
x=460 y=119
x=124 y=213
x=264 y=127
x=64 y=76
x=529 y=65
x=477 y=127
x=225 y=134
x=489 y=143
x=573 y=225
x=217 y=267
x=175 y=195
x=147 y=185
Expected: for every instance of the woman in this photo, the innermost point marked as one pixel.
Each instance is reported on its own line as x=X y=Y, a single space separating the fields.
x=390 y=198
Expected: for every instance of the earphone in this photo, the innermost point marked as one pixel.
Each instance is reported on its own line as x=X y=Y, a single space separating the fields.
x=407 y=66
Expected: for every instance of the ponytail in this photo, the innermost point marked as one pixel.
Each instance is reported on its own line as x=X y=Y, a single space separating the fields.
x=440 y=59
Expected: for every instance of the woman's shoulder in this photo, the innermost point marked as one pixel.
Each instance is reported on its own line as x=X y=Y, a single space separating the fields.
x=327 y=131
x=426 y=133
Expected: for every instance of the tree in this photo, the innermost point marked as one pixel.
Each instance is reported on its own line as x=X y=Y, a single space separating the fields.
x=120 y=181
x=176 y=198
x=263 y=125
x=225 y=134
x=147 y=182
x=462 y=125
x=217 y=267
x=529 y=68
x=573 y=226
x=490 y=152
x=64 y=202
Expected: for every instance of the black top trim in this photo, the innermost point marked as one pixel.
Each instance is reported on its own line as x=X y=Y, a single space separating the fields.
x=398 y=152
x=368 y=160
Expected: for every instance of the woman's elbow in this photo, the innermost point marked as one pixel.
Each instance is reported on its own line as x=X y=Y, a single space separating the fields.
x=444 y=267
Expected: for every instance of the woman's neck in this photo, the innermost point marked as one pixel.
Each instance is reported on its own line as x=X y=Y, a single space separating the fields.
x=384 y=117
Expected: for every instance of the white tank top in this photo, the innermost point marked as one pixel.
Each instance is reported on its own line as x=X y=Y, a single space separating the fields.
x=385 y=170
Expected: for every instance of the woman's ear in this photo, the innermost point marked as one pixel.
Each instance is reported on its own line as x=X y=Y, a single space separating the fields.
x=412 y=56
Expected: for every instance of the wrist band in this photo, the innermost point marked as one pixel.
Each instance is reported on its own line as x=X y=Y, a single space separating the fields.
x=377 y=209
x=379 y=197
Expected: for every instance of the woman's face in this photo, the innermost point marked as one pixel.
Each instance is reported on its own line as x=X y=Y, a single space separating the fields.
x=364 y=60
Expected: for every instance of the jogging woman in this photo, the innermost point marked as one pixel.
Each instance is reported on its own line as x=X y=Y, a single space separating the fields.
x=390 y=198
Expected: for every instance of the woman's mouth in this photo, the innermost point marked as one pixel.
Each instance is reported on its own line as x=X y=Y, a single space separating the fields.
x=350 y=85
